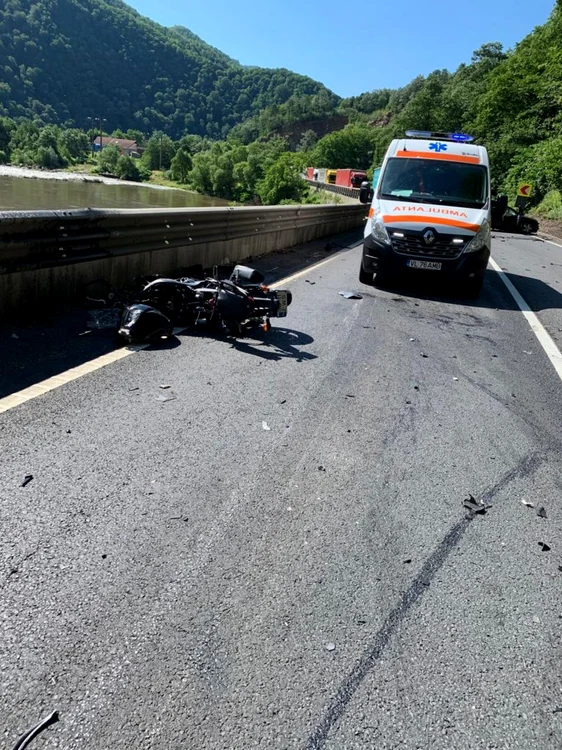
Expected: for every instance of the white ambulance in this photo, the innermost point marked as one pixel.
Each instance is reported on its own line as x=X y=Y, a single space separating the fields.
x=430 y=211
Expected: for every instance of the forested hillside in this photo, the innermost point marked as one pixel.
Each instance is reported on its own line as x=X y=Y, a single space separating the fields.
x=64 y=60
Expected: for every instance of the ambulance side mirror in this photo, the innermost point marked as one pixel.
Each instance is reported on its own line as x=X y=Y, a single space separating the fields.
x=365 y=193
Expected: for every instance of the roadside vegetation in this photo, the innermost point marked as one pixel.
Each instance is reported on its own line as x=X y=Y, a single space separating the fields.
x=510 y=100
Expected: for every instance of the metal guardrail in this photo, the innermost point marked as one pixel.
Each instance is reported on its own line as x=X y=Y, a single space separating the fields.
x=349 y=191
x=45 y=239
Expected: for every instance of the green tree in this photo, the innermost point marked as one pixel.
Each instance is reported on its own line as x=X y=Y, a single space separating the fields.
x=126 y=169
x=73 y=145
x=107 y=159
x=159 y=151
x=181 y=166
x=282 y=181
x=352 y=147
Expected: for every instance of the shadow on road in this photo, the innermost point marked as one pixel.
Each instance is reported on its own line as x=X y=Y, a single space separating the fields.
x=538 y=295
x=279 y=343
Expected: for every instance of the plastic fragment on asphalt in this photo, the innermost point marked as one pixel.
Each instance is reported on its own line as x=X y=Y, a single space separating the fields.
x=407 y=561
x=312 y=283
x=456 y=380
x=321 y=468
x=349 y=395
x=351 y=295
x=544 y=546
x=412 y=340
x=528 y=504
x=474 y=506
x=541 y=512
x=283 y=402
x=425 y=356
x=165 y=386
x=163 y=398
x=265 y=426
x=330 y=647
x=27 y=480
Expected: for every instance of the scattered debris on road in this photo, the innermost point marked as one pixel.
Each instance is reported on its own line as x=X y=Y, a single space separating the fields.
x=312 y=283
x=265 y=426
x=407 y=561
x=164 y=398
x=541 y=512
x=528 y=504
x=424 y=355
x=165 y=386
x=456 y=380
x=321 y=468
x=545 y=547
x=351 y=295
x=349 y=395
x=27 y=480
x=475 y=507
x=330 y=647
x=283 y=402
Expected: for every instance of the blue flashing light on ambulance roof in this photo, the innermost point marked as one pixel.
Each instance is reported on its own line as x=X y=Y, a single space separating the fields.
x=456 y=137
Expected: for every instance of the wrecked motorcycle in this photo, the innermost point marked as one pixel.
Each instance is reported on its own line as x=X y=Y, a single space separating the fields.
x=235 y=304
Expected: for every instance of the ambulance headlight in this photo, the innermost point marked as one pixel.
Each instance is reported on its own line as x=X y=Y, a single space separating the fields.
x=481 y=239
x=378 y=230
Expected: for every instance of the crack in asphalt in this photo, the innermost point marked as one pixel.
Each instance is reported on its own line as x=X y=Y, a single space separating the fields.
x=339 y=703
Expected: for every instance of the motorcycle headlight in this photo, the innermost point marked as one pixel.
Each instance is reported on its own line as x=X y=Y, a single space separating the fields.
x=378 y=230
x=481 y=239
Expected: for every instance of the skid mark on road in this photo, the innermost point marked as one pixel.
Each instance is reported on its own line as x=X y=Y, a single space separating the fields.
x=528 y=466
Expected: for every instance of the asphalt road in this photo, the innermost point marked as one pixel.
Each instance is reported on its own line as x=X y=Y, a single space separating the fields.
x=177 y=576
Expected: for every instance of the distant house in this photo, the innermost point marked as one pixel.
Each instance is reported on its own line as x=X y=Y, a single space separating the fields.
x=127 y=148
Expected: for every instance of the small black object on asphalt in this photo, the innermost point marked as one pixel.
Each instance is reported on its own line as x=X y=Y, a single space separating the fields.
x=474 y=506
x=321 y=468
x=416 y=388
x=27 y=479
x=104 y=556
x=424 y=355
x=349 y=395
x=541 y=512
x=351 y=295
x=407 y=562
x=544 y=546
x=312 y=283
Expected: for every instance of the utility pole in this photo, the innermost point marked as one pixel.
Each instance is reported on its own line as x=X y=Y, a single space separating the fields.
x=97 y=121
x=161 y=137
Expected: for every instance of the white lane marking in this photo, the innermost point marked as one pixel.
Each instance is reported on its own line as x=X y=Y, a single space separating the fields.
x=50 y=384
x=306 y=271
x=550 y=242
x=547 y=343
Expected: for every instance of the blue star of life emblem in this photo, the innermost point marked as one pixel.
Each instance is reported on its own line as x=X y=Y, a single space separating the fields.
x=437 y=147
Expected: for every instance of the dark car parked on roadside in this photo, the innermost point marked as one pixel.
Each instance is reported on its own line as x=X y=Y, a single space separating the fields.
x=508 y=219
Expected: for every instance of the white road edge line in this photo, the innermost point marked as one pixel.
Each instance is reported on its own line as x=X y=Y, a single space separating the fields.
x=544 y=338
x=50 y=384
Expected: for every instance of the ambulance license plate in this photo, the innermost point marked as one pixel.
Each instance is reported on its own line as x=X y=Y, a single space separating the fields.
x=427 y=265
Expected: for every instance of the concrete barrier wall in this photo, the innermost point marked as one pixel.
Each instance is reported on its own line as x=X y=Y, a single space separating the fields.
x=46 y=256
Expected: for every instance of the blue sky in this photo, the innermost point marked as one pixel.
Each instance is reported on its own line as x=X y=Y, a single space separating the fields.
x=352 y=47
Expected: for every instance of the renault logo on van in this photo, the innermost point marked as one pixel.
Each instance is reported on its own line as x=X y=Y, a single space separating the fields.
x=429 y=237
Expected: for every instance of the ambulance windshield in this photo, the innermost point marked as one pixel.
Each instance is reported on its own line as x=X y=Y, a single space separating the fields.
x=431 y=181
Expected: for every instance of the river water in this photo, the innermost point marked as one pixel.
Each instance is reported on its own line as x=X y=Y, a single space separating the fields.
x=61 y=190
